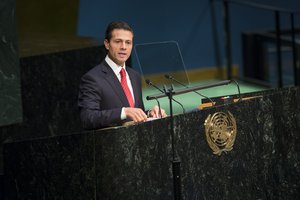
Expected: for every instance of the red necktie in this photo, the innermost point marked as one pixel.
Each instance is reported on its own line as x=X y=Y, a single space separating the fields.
x=126 y=88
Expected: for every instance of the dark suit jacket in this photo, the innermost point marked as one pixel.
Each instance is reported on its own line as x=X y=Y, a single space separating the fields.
x=101 y=96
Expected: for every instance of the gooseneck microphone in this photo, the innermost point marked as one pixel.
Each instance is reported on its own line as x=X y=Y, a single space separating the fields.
x=151 y=84
x=175 y=80
x=238 y=87
x=148 y=82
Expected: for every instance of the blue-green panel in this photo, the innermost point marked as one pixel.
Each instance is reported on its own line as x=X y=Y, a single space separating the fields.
x=10 y=94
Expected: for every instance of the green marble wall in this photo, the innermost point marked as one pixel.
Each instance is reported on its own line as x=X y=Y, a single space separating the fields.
x=10 y=98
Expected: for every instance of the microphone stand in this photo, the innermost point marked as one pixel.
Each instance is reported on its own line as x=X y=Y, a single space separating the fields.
x=175 y=160
x=185 y=90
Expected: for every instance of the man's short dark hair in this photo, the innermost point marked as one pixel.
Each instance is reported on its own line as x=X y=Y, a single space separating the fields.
x=116 y=25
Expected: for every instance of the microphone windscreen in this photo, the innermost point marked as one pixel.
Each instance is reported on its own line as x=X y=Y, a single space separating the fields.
x=168 y=76
x=148 y=82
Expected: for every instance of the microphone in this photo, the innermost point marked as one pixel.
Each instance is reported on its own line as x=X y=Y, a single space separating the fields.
x=238 y=87
x=173 y=79
x=148 y=82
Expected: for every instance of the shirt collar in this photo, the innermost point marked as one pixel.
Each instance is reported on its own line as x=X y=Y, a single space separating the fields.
x=116 y=68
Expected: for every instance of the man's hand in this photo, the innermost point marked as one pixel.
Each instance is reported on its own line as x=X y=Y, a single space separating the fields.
x=136 y=114
x=154 y=112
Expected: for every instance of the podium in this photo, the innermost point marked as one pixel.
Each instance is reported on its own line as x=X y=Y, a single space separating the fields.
x=134 y=162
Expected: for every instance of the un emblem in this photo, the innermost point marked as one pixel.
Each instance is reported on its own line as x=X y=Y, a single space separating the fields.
x=220 y=130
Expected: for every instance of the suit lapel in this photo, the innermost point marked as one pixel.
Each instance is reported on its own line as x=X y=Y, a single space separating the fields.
x=112 y=79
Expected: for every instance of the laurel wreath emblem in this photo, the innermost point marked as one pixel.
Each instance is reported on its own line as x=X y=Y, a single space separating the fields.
x=220 y=130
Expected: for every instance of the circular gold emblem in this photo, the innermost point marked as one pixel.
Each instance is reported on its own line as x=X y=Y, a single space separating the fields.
x=220 y=130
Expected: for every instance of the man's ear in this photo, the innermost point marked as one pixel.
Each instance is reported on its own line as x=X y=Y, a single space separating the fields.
x=106 y=44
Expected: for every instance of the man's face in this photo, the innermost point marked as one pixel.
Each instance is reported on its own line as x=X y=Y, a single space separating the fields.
x=120 y=45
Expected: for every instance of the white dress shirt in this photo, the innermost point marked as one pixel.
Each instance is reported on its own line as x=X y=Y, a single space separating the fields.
x=116 y=68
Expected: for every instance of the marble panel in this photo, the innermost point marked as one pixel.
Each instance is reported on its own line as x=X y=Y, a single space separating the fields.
x=10 y=94
x=137 y=160
x=49 y=85
x=52 y=168
x=264 y=162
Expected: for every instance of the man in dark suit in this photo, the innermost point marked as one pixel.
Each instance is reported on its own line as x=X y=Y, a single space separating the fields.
x=111 y=93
